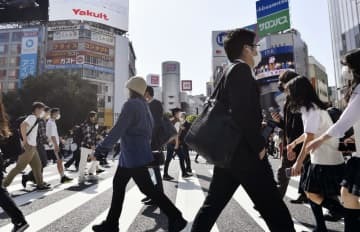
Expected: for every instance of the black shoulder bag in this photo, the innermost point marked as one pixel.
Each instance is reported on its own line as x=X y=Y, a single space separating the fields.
x=215 y=135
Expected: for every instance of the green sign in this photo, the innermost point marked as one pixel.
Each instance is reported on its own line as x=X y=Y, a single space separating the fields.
x=274 y=23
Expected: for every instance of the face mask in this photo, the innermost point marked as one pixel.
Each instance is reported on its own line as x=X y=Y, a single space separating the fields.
x=42 y=114
x=96 y=127
x=58 y=117
x=257 y=58
x=347 y=73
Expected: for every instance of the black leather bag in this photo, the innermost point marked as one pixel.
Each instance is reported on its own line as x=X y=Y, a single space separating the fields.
x=167 y=132
x=159 y=159
x=215 y=135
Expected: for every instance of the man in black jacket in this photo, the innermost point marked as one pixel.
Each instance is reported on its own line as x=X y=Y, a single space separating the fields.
x=157 y=112
x=248 y=167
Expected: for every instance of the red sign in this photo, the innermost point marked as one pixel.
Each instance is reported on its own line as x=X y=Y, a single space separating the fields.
x=90 y=13
x=155 y=80
x=186 y=85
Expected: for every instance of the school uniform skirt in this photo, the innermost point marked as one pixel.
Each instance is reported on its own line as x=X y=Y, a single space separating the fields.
x=324 y=179
x=351 y=179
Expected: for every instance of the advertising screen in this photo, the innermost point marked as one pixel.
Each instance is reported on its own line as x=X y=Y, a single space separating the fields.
x=114 y=13
x=23 y=10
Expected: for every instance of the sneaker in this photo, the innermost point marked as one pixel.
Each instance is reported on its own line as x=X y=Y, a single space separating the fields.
x=150 y=203
x=196 y=161
x=145 y=199
x=105 y=227
x=20 y=227
x=65 y=179
x=43 y=188
x=333 y=217
x=301 y=200
x=46 y=184
x=177 y=225
x=100 y=171
x=187 y=175
x=24 y=179
x=81 y=180
x=189 y=170
x=167 y=177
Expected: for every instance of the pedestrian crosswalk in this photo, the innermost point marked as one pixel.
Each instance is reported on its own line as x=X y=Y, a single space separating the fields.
x=73 y=208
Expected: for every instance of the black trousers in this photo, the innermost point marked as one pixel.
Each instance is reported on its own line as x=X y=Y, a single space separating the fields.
x=75 y=158
x=186 y=153
x=142 y=179
x=169 y=156
x=44 y=160
x=159 y=183
x=7 y=203
x=283 y=180
x=261 y=188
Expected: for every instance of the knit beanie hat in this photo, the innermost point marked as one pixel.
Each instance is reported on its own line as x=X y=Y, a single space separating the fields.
x=137 y=84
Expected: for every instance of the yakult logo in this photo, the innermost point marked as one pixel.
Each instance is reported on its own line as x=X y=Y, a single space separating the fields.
x=91 y=14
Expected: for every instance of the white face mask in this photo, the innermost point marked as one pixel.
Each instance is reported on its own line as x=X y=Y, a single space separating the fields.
x=257 y=58
x=42 y=114
x=347 y=74
x=58 y=117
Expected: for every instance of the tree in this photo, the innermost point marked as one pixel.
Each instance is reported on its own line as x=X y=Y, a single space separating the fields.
x=74 y=96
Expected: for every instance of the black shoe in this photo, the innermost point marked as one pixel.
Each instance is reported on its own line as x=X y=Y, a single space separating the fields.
x=105 y=227
x=167 y=177
x=151 y=202
x=100 y=171
x=301 y=200
x=196 y=161
x=189 y=170
x=65 y=179
x=177 y=225
x=24 y=179
x=46 y=184
x=20 y=227
x=43 y=188
x=145 y=199
x=333 y=217
x=187 y=175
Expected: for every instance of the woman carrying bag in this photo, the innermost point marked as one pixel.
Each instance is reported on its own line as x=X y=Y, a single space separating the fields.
x=134 y=129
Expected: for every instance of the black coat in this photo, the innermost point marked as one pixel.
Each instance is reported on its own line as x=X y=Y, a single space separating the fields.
x=242 y=94
x=157 y=112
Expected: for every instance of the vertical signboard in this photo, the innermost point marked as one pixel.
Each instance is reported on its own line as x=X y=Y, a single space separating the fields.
x=28 y=57
x=186 y=85
x=272 y=16
x=153 y=80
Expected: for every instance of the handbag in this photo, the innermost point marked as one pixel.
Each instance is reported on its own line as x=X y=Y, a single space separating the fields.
x=159 y=159
x=214 y=134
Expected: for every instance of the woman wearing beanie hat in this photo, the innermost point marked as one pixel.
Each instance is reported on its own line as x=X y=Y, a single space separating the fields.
x=350 y=191
x=134 y=128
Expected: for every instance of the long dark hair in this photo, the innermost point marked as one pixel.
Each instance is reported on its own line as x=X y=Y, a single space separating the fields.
x=352 y=84
x=302 y=94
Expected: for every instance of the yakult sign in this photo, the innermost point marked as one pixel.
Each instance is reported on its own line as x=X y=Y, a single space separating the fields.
x=114 y=13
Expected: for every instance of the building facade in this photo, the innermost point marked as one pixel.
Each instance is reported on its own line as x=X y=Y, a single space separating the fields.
x=345 y=33
x=319 y=79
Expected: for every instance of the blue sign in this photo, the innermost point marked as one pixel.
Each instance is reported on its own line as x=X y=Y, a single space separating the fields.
x=220 y=38
x=29 y=43
x=277 y=51
x=27 y=67
x=267 y=7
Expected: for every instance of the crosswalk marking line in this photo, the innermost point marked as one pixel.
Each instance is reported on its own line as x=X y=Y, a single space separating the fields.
x=245 y=202
x=49 y=214
x=131 y=208
x=189 y=206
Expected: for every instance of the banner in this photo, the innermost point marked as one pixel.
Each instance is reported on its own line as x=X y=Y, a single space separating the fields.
x=28 y=57
x=274 y=23
x=268 y=7
x=66 y=35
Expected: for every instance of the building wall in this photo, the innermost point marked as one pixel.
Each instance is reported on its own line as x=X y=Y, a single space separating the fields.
x=171 y=85
x=319 y=78
x=345 y=33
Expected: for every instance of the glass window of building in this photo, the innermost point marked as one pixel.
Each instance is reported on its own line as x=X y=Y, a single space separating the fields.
x=4 y=37
x=16 y=36
x=3 y=61
x=3 y=49
x=14 y=49
x=12 y=73
x=13 y=61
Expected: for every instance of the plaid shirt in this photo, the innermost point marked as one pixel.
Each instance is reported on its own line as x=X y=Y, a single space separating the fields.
x=89 y=134
x=42 y=138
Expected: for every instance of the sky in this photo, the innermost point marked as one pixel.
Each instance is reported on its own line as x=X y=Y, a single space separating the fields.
x=180 y=30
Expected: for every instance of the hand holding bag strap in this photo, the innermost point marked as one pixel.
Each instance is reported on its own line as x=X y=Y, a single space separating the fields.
x=222 y=81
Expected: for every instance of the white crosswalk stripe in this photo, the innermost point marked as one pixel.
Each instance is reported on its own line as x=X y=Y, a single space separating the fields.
x=188 y=198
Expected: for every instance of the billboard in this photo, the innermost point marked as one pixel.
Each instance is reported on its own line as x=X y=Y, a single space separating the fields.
x=275 y=61
x=19 y=11
x=65 y=35
x=153 y=80
x=29 y=53
x=186 y=85
x=114 y=13
x=272 y=16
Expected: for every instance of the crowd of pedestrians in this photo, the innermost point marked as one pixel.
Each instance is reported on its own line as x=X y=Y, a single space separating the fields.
x=307 y=140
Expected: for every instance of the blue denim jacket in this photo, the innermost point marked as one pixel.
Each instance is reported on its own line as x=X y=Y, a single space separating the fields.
x=134 y=129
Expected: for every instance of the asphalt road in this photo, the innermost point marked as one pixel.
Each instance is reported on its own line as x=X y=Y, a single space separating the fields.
x=69 y=207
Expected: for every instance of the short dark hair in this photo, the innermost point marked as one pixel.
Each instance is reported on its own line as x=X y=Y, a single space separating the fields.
x=37 y=105
x=47 y=109
x=235 y=42
x=54 y=110
x=92 y=114
x=175 y=111
x=134 y=94
x=150 y=91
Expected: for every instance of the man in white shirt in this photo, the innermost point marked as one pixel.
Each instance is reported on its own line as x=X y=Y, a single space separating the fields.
x=29 y=132
x=53 y=149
